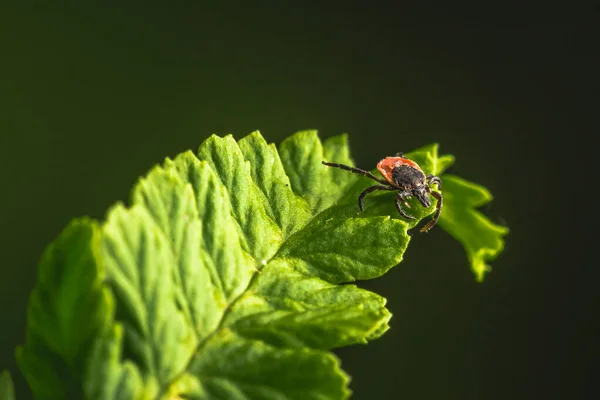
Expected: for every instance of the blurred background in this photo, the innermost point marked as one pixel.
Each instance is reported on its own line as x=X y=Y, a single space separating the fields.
x=91 y=96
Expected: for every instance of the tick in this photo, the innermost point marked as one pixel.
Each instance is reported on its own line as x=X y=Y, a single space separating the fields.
x=407 y=178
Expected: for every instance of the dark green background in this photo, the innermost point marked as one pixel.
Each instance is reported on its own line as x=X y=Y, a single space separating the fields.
x=92 y=96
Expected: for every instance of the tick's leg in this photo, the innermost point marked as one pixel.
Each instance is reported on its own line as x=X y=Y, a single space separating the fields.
x=356 y=171
x=431 y=179
x=438 y=210
x=370 y=189
x=401 y=198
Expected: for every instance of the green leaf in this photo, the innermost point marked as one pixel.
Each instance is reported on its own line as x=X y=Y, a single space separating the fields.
x=109 y=375
x=7 y=391
x=341 y=247
x=482 y=239
x=290 y=212
x=68 y=308
x=220 y=280
x=140 y=271
x=302 y=154
x=288 y=308
x=234 y=367
x=259 y=230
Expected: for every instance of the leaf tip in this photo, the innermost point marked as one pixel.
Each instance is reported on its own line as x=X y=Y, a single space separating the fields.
x=7 y=389
x=116 y=209
x=304 y=135
x=341 y=139
x=480 y=268
x=256 y=134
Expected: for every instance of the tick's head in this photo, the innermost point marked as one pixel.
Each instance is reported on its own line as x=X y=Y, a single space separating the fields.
x=422 y=194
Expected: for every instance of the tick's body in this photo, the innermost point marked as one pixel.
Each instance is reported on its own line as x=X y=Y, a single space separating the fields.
x=400 y=171
x=406 y=177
